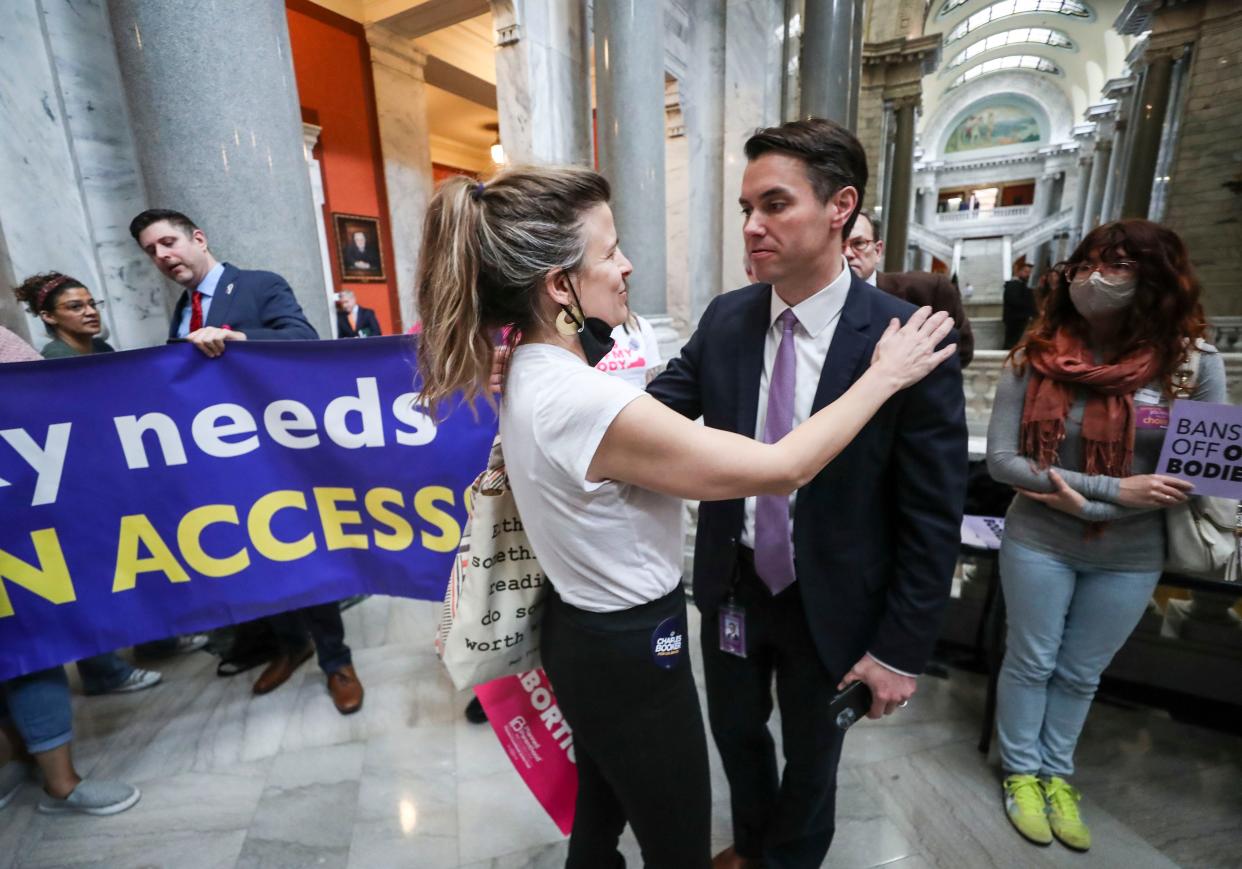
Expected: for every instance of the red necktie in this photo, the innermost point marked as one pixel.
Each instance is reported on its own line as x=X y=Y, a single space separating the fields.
x=196 y=311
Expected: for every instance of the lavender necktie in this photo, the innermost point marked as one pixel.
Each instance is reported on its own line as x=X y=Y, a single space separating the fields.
x=773 y=533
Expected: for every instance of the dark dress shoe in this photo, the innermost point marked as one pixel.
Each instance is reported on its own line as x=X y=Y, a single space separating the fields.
x=346 y=690
x=475 y=713
x=280 y=669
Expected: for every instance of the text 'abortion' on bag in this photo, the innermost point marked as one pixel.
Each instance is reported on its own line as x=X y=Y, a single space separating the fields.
x=489 y=626
x=523 y=712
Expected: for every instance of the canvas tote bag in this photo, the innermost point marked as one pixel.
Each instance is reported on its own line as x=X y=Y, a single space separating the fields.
x=489 y=626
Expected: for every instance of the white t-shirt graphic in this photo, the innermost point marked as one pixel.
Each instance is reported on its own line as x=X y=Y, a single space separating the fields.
x=633 y=355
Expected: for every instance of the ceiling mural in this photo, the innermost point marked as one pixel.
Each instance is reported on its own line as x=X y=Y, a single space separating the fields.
x=993 y=127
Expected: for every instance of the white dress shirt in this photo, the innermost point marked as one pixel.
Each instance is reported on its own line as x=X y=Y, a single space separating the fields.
x=207 y=286
x=817 y=323
x=871 y=278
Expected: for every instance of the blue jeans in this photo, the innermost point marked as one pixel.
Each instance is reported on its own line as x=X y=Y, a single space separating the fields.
x=38 y=705
x=102 y=673
x=1066 y=620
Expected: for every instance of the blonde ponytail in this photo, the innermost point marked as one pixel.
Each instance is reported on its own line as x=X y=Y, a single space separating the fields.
x=487 y=250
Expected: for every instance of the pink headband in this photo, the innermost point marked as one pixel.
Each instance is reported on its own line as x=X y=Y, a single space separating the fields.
x=46 y=289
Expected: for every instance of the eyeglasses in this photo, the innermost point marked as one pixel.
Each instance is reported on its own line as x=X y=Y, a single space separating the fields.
x=78 y=307
x=860 y=245
x=1120 y=269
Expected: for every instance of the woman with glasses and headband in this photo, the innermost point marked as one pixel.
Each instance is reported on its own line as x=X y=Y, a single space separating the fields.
x=1080 y=415
x=71 y=317
x=68 y=312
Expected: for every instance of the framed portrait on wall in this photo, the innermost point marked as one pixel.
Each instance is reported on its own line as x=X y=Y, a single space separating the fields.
x=358 y=248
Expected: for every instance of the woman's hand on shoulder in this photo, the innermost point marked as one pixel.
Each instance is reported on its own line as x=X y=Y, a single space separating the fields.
x=904 y=355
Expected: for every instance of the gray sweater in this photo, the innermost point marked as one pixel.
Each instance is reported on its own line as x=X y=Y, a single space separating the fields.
x=1133 y=538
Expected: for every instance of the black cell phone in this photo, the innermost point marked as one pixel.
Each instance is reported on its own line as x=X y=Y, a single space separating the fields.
x=850 y=705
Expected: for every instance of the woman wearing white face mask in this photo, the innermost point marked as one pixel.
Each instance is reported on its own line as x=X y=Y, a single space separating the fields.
x=1078 y=422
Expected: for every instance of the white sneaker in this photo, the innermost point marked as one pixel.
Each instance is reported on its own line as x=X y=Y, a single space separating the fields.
x=190 y=643
x=92 y=797
x=138 y=680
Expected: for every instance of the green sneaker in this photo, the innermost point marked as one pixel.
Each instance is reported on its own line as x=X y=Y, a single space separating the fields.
x=1027 y=811
x=1063 y=815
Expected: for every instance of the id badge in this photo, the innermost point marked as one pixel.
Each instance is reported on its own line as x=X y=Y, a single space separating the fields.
x=1148 y=416
x=733 y=630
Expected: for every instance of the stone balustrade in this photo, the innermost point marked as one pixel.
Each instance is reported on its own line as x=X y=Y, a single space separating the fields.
x=1008 y=211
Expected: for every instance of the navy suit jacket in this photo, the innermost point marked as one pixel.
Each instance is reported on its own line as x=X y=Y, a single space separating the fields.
x=260 y=304
x=876 y=532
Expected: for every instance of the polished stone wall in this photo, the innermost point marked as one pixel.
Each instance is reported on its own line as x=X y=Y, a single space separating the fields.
x=1205 y=189
x=71 y=183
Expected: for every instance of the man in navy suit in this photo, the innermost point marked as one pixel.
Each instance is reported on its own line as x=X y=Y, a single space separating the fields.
x=866 y=550
x=222 y=303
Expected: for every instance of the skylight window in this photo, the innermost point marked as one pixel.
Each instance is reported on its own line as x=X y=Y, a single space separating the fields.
x=1009 y=8
x=1019 y=36
x=1030 y=62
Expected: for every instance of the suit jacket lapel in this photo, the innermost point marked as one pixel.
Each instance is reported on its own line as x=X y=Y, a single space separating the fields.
x=849 y=345
x=222 y=299
x=754 y=330
x=178 y=312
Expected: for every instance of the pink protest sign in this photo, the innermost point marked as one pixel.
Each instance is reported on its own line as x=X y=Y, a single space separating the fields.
x=523 y=712
x=1204 y=446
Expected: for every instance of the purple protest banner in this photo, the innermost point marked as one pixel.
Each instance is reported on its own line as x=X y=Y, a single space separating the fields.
x=1204 y=447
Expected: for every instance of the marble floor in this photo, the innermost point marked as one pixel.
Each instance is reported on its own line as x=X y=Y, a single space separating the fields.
x=233 y=780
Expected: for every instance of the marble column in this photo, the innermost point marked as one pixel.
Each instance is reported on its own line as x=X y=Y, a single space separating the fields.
x=703 y=104
x=629 y=92
x=310 y=140
x=753 y=44
x=1147 y=128
x=1006 y=257
x=927 y=216
x=1108 y=205
x=401 y=104
x=957 y=257
x=677 y=212
x=827 y=40
x=856 y=46
x=1080 y=199
x=897 y=220
x=543 y=80
x=1042 y=208
x=1095 y=192
x=69 y=208
x=214 y=105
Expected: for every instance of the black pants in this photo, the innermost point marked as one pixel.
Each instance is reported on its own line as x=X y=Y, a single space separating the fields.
x=787 y=820
x=323 y=623
x=638 y=733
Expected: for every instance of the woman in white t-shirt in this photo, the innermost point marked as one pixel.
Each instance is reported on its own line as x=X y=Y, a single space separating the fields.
x=598 y=469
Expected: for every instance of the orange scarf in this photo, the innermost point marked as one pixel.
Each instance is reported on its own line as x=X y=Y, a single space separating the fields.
x=1107 y=421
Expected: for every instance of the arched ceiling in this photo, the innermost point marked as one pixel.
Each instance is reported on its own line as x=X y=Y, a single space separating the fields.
x=1067 y=45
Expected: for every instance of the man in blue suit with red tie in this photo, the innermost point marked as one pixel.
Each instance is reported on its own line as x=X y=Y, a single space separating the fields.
x=847 y=580
x=222 y=303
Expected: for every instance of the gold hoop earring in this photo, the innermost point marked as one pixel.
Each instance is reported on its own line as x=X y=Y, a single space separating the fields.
x=566 y=324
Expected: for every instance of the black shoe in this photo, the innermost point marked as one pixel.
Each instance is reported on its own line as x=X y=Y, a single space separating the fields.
x=475 y=713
